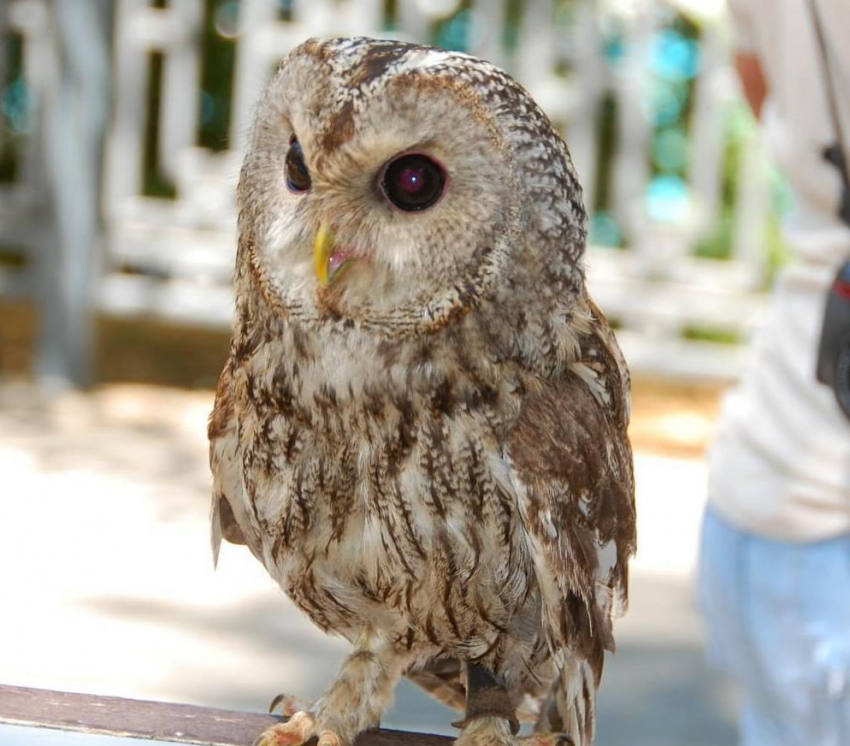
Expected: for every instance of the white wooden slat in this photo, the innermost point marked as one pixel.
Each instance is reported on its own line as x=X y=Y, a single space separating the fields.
x=174 y=251
x=413 y=23
x=632 y=85
x=711 y=96
x=23 y=202
x=181 y=73
x=487 y=27
x=257 y=18
x=125 y=137
x=184 y=301
x=31 y=19
x=184 y=248
x=683 y=359
x=5 y=12
x=589 y=80
x=751 y=210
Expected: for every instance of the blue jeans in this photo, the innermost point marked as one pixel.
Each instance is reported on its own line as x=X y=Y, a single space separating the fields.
x=778 y=620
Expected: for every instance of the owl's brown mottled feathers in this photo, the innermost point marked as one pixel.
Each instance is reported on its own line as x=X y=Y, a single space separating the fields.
x=429 y=454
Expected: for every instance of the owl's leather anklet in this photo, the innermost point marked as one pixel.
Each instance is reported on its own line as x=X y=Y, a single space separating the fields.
x=486 y=696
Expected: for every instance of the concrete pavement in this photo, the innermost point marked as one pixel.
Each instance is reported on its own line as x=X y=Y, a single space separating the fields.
x=107 y=586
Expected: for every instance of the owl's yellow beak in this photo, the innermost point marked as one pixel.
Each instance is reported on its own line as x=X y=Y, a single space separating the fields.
x=322 y=252
x=330 y=258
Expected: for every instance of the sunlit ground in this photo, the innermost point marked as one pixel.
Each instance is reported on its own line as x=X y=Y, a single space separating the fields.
x=107 y=583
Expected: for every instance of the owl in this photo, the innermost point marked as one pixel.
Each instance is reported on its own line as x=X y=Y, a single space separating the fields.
x=420 y=430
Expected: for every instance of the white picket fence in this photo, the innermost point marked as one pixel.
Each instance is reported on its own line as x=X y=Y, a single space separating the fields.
x=95 y=243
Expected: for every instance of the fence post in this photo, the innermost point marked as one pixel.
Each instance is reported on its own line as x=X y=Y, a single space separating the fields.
x=74 y=125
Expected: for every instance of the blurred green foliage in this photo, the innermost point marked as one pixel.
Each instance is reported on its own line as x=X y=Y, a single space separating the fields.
x=606 y=154
x=674 y=60
x=10 y=139
x=738 y=124
x=711 y=334
x=219 y=56
x=188 y=355
x=155 y=182
x=738 y=130
x=12 y=94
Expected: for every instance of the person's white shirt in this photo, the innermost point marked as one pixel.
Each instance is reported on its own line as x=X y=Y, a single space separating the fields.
x=780 y=465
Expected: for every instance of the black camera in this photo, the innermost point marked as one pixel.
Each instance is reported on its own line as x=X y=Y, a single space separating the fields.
x=834 y=155
x=834 y=350
x=833 y=366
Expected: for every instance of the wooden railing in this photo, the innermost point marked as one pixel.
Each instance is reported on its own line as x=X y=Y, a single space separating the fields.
x=159 y=721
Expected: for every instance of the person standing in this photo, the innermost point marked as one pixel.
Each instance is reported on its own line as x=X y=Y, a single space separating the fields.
x=775 y=557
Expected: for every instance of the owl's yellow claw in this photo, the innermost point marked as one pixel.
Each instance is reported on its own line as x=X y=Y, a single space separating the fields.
x=286 y=703
x=299 y=729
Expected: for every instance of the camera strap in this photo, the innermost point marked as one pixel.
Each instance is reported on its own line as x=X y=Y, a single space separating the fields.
x=833 y=357
x=836 y=154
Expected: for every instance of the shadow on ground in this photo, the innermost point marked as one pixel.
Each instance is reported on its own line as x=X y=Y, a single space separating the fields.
x=657 y=690
x=109 y=585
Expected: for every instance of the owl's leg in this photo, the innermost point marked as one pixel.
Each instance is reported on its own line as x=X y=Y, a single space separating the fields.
x=355 y=700
x=487 y=696
x=490 y=715
x=362 y=690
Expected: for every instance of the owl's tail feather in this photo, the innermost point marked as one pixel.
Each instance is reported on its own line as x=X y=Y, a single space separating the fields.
x=571 y=705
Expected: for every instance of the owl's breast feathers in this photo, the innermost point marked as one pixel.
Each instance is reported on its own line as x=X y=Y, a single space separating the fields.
x=465 y=503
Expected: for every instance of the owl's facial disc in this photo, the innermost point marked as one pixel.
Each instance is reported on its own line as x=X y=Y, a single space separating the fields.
x=411 y=182
x=378 y=191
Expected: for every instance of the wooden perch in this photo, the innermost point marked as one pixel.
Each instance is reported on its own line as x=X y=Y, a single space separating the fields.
x=160 y=721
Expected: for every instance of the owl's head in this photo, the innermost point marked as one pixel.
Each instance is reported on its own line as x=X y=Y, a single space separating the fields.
x=398 y=186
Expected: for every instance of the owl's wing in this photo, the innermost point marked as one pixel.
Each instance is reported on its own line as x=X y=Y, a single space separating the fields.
x=224 y=463
x=571 y=466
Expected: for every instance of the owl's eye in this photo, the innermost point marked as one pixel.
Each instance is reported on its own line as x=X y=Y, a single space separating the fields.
x=297 y=174
x=413 y=182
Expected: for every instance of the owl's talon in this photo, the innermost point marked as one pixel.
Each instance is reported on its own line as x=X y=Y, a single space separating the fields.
x=329 y=738
x=287 y=704
x=299 y=729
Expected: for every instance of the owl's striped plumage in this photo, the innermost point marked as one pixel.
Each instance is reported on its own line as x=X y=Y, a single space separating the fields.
x=429 y=454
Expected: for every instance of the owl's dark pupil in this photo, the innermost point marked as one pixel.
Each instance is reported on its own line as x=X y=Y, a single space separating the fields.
x=297 y=174
x=413 y=182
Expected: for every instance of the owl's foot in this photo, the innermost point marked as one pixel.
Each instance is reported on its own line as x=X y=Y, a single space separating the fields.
x=496 y=731
x=299 y=729
x=354 y=701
